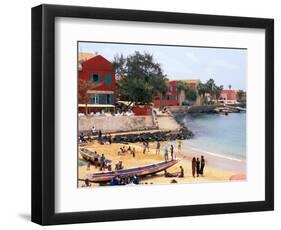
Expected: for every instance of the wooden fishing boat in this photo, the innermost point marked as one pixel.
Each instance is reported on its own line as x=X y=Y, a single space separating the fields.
x=86 y=154
x=105 y=177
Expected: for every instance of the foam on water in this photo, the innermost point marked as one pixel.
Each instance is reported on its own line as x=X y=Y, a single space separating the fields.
x=218 y=135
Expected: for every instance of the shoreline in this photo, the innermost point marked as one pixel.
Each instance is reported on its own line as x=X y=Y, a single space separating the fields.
x=217 y=169
x=216 y=159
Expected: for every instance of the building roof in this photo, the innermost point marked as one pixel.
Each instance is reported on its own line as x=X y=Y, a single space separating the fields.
x=189 y=81
x=192 y=81
x=90 y=59
x=230 y=93
x=82 y=57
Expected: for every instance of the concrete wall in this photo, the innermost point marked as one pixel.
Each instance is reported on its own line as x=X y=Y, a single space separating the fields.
x=168 y=123
x=177 y=109
x=115 y=124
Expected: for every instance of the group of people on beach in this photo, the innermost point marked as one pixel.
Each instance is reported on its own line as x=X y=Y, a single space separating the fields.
x=104 y=138
x=145 y=145
x=198 y=166
x=172 y=152
x=99 y=161
x=123 y=151
x=125 y=180
x=168 y=148
x=176 y=174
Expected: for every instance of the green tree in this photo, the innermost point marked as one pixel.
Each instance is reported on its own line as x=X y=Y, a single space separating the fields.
x=182 y=87
x=191 y=95
x=83 y=96
x=211 y=87
x=160 y=86
x=139 y=74
x=217 y=91
x=241 y=96
x=202 y=90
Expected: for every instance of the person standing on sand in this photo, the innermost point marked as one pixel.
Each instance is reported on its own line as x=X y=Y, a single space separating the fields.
x=166 y=152
x=94 y=130
x=193 y=166
x=100 y=136
x=144 y=147
x=197 y=167
x=147 y=146
x=158 y=145
x=179 y=145
x=102 y=162
x=172 y=152
x=134 y=152
x=202 y=165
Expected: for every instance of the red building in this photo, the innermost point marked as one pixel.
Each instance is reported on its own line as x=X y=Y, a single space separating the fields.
x=174 y=97
x=171 y=97
x=101 y=90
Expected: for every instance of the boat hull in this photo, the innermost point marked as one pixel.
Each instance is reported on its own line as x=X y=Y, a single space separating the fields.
x=139 y=171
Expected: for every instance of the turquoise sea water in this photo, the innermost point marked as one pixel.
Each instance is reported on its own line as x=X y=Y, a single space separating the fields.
x=218 y=134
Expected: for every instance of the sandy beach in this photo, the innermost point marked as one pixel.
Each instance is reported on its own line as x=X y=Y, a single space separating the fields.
x=217 y=169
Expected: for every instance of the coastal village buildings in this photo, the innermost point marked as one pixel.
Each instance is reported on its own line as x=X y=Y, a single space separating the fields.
x=174 y=97
x=192 y=84
x=228 y=96
x=170 y=98
x=101 y=75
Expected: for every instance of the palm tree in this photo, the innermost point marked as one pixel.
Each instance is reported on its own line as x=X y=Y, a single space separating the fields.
x=159 y=86
x=240 y=95
x=182 y=87
x=217 y=91
x=211 y=87
x=202 y=90
x=191 y=95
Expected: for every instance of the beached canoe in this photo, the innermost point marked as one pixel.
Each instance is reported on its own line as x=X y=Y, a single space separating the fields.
x=89 y=155
x=139 y=171
x=86 y=154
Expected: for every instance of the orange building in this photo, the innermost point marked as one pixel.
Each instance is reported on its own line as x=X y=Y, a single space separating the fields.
x=228 y=96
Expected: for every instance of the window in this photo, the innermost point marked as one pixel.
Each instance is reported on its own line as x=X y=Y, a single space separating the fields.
x=111 y=99
x=100 y=99
x=94 y=99
x=95 y=78
x=108 y=79
x=108 y=99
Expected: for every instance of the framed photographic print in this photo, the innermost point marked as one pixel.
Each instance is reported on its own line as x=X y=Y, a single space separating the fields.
x=144 y=114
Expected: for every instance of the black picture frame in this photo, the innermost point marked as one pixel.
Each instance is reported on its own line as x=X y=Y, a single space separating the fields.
x=43 y=114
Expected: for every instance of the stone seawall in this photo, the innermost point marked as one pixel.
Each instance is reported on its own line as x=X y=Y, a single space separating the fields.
x=116 y=123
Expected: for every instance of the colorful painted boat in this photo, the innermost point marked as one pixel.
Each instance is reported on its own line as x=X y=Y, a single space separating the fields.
x=105 y=177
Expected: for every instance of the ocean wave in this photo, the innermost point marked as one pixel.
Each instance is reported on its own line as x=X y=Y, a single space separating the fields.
x=217 y=155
